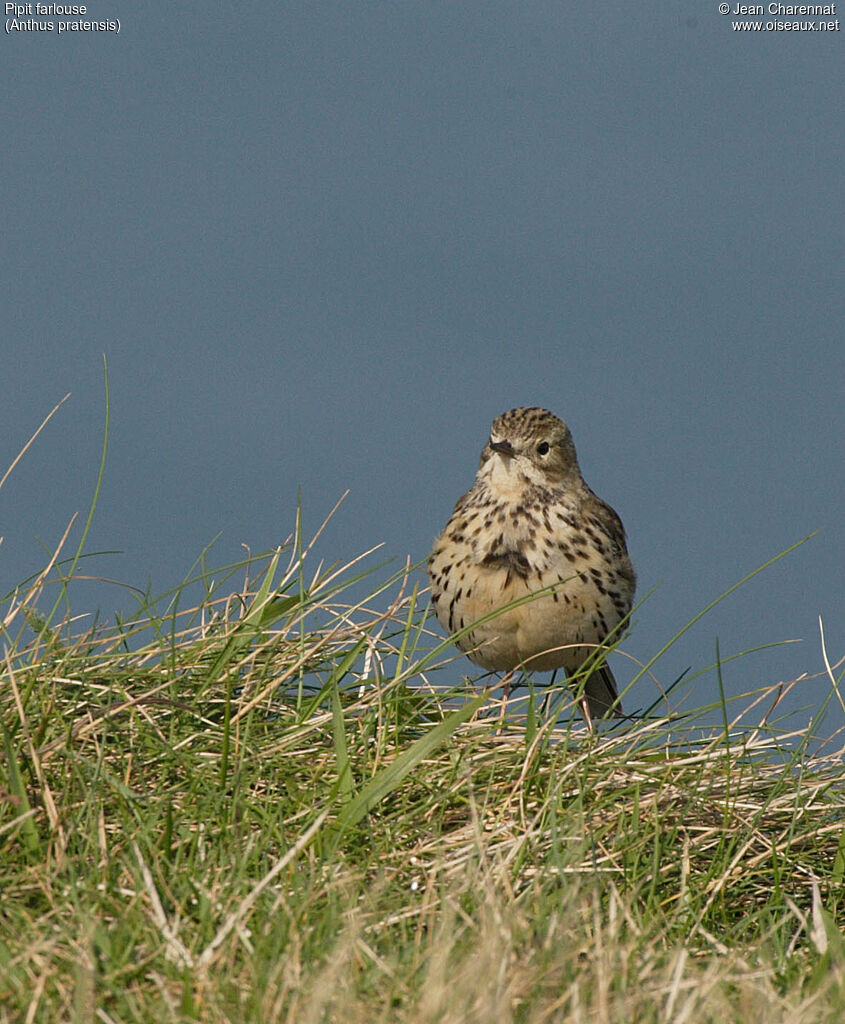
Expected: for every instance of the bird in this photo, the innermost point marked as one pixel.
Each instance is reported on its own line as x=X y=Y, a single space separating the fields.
x=530 y=523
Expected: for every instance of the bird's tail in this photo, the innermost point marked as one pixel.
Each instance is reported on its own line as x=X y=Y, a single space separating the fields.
x=601 y=694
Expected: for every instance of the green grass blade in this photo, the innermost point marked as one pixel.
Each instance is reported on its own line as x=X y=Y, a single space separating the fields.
x=341 y=749
x=18 y=791
x=389 y=778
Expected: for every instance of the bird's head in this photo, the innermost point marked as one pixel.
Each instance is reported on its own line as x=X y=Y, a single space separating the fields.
x=528 y=446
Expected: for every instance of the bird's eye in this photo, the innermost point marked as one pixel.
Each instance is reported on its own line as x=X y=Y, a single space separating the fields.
x=543 y=448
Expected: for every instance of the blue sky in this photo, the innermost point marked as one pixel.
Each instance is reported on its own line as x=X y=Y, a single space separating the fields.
x=322 y=245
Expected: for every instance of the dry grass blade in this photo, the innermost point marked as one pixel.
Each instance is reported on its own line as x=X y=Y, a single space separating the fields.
x=240 y=915
x=26 y=447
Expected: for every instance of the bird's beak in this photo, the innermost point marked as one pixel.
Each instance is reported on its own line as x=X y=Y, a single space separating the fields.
x=502 y=447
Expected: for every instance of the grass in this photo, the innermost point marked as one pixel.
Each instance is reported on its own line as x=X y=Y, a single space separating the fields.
x=260 y=801
x=263 y=809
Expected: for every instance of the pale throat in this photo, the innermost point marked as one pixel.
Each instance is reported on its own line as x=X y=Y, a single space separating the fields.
x=508 y=477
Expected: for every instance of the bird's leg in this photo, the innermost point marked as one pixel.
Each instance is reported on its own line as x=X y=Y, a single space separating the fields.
x=584 y=705
x=547 y=700
x=506 y=689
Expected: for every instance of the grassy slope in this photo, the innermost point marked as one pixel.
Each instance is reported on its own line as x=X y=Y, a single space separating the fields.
x=261 y=810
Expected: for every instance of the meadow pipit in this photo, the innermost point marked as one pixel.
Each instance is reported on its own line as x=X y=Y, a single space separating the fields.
x=531 y=522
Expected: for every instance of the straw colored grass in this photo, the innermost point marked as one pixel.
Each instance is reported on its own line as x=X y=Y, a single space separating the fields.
x=272 y=807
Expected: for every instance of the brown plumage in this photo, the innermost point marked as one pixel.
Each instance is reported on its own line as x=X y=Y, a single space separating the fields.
x=530 y=522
